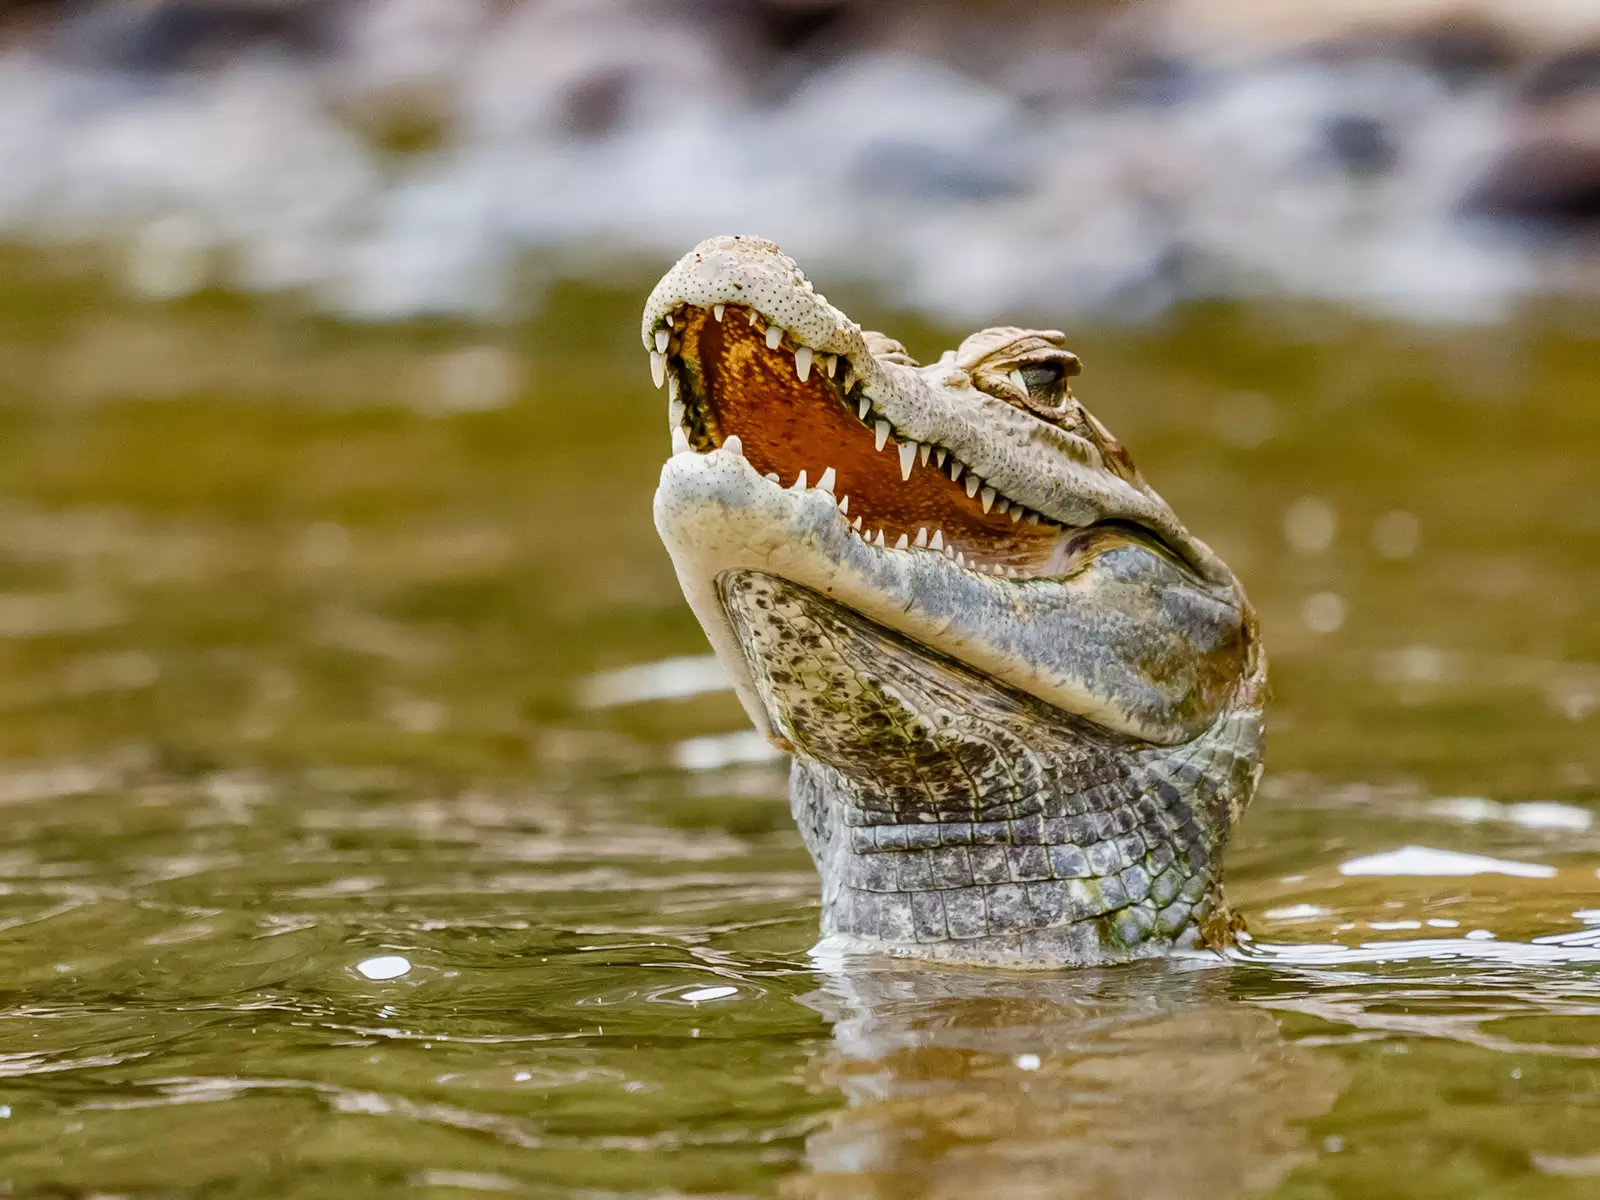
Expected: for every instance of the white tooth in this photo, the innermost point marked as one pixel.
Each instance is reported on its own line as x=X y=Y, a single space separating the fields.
x=680 y=442
x=827 y=481
x=844 y=506
x=922 y=539
x=733 y=444
x=955 y=470
x=668 y=320
x=774 y=336
x=800 y=482
x=1016 y=514
x=1011 y=572
x=863 y=407
x=772 y=477
x=923 y=452
x=717 y=310
x=849 y=380
x=830 y=363
x=658 y=367
x=882 y=432
x=960 y=560
x=902 y=543
x=908 y=455
x=973 y=483
x=1016 y=378
x=1001 y=504
x=856 y=524
x=878 y=541
x=988 y=498
x=672 y=387
x=1033 y=518
x=662 y=338
x=938 y=540
x=940 y=455
x=802 y=363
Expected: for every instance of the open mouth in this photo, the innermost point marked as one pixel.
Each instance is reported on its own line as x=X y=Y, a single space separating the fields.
x=803 y=420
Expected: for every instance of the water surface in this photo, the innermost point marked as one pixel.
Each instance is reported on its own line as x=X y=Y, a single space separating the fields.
x=375 y=826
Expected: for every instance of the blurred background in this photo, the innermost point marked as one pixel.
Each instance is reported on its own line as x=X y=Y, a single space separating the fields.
x=401 y=158
x=372 y=818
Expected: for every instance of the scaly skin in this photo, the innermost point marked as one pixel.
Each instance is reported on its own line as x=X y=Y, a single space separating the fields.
x=1024 y=704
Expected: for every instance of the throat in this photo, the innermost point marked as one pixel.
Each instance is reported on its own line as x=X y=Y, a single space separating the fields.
x=952 y=817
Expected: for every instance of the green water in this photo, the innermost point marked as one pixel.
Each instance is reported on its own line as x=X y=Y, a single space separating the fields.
x=306 y=634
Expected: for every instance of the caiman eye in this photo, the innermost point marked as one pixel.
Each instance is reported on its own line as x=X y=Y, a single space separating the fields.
x=1044 y=382
x=1039 y=380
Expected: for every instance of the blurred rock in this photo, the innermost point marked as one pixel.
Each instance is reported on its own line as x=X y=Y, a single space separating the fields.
x=388 y=158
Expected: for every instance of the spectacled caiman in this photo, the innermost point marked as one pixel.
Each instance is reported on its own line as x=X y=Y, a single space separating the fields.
x=1024 y=703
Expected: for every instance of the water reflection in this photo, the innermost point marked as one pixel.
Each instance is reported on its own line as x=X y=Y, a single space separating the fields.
x=1150 y=1081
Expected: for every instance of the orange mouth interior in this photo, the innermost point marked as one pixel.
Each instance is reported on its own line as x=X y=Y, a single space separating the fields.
x=734 y=384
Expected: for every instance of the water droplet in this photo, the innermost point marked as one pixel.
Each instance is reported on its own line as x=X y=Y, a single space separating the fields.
x=1395 y=535
x=1324 y=612
x=709 y=993
x=1309 y=525
x=387 y=966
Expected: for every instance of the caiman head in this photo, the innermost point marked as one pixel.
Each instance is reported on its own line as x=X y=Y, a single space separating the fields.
x=1024 y=703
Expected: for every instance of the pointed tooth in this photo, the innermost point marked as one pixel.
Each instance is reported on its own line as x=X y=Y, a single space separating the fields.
x=924 y=452
x=922 y=539
x=717 y=310
x=902 y=543
x=830 y=364
x=988 y=498
x=658 y=367
x=881 y=431
x=1033 y=518
x=1001 y=504
x=1011 y=572
x=662 y=338
x=668 y=320
x=938 y=540
x=772 y=477
x=802 y=363
x=672 y=388
x=849 y=380
x=908 y=455
x=955 y=470
x=973 y=484
x=733 y=444
x=1016 y=514
x=878 y=541
x=960 y=559
x=680 y=442
x=1016 y=378
x=940 y=455
x=828 y=480
x=844 y=505
x=753 y=315
x=863 y=407
x=800 y=482
x=856 y=524
x=774 y=336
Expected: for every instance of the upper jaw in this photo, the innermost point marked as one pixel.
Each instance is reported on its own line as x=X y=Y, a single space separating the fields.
x=1031 y=462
